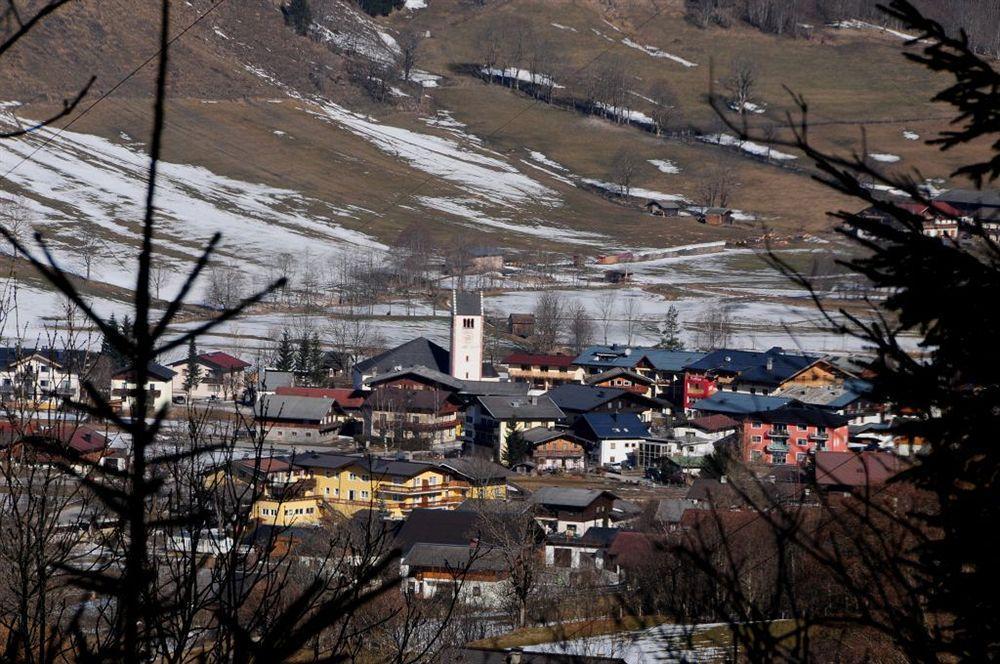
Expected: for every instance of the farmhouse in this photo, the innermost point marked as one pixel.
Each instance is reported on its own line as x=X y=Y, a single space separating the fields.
x=556 y=450
x=159 y=388
x=220 y=376
x=541 y=371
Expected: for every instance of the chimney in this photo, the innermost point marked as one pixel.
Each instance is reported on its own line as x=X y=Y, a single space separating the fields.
x=770 y=363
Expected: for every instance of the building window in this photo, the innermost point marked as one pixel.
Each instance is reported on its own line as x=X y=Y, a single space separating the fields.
x=364 y=494
x=755 y=457
x=779 y=458
x=468 y=323
x=352 y=477
x=756 y=439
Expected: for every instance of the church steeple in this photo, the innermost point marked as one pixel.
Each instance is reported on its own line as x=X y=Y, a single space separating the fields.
x=467 y=335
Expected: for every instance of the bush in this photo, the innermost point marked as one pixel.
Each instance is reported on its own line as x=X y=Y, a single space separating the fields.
x=381 y=7
x=298 y=15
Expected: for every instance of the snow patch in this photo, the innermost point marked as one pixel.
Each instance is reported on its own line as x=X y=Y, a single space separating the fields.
x=602 y=35
x=522 y=75
x=635 y=192
x=657 y=53
x=542 y=159
x=911 y=135
x=747 y=106
x=560 y=26
x=219 y=32
x=424 y=78
x=884 y=157
x=466 y=209
x=625 y=113
x=665 y=166
x=415 y=4
x=864 y=25
x=749 y=147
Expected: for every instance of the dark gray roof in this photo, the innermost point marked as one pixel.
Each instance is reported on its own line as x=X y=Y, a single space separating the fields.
x=419 y=352
x=739 y=403
x=466 y=303
x=493 y=388
x=582 y=398
x=619 y=371
x=972 y=197
x=286 y=407
x=427 y=373
x=457 y=557
x=521 y=408
x=156 y=371
x=558 y=496
x=67 y=358
x=539 y=435
x=475 y=469
x=670 y=510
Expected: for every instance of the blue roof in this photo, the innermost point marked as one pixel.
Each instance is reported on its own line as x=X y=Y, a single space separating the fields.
x=739 y=403
x=606 y=426
x=608 y=357
x=752 y=366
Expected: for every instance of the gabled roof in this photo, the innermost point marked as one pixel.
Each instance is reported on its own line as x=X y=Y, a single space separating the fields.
x=419 y=352
x=345 y=397
x=287 y=407
x=458 y=558
x=70 y=359
x=482 y=388
x=739 y=403
x=420 y=374
x=326 y=461
x=670 y=510
x=540 y=359
x=217 y=359
x=403 y=400
x=475 y=470
x=972 y=197
x=613 y=426
x=556 y=496
x=521 y=408
x=827 y=396
x=619 y=372
x=770 y=367
x=712 y=423
x=466 y=303
x=429 y=526
x=156 y=371
x=582 y=398
x=541 y=435
x=630 y=356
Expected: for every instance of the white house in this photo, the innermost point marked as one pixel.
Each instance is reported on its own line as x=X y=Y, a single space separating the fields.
x=221 y=376
x=42 y=376
x=616 y=436
x=697 y=436
x=159 y=386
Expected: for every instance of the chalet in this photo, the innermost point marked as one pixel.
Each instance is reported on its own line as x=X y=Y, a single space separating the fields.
x=296 y=419
x=42 y=376
x=77 y=444
x=851 y=399
x=972 y=202
x=789 y=435
x=556 y=450
x=663 y=208
x=624 y=379
x=419 y=352
x=615 y=436
x=850 y=471
x=220 y=376
x=485 y=259
x=159 y=388
x=938 y=220
x=752 y=372
x=399 y=414
x=488 y=419
x=348 y=403
x=521 y=325
x=576 y=400
x=665 y=367
x=572 y=511
x=541 y=371
x=716 y=216
x=347 y=484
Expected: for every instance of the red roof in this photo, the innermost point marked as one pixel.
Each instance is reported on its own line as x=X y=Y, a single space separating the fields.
x=224 y=361
x=540 y=359
x=344 y=396
x=267 y=465
x=938 y=206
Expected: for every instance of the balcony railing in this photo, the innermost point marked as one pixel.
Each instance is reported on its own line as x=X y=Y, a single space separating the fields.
x=409 y=489
x=777 y=447
x=819 y=436
x=778 y=434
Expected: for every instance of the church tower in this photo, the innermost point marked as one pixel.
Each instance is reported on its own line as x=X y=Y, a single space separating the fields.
x=467 y=335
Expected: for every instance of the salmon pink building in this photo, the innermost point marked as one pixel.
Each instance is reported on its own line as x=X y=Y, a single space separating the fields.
x=789 y=435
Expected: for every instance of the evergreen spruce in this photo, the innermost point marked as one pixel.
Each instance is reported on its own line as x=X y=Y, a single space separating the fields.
x=286 y=353
x=298 y=15
x=671 y=335
x=302 y=356
x=316 y=368
x=517 y=447
x=193 y=377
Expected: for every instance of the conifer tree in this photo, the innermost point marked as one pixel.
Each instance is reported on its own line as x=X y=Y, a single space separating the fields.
x=193 y=377
x=302 y=356
x=671 y=335
x=286 y=353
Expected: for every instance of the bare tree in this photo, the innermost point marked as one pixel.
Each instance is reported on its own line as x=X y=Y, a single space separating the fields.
x=581 y=328
x=714 y=328
x=717 y=185
x=226 y=286
x=622 y=171
x=510 y=532
x=741 y=84
x=666 y=110
x=409 y=52
x=606 y=307
x=549 y=313
x=633 y=318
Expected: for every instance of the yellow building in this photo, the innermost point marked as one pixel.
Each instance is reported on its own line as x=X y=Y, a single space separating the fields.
x=314 y=484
